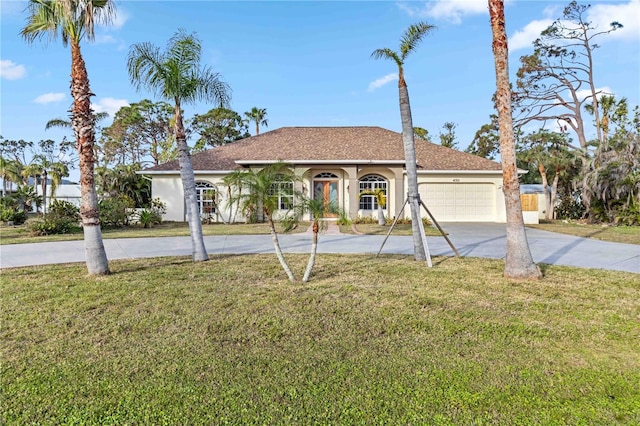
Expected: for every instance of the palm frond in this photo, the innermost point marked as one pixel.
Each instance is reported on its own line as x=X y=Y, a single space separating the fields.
x=412 y=38
x=386 y=53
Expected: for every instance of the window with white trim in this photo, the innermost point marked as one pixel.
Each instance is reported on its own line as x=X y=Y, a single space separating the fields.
x=368 y=183
x=284 y=191
x=205 y=196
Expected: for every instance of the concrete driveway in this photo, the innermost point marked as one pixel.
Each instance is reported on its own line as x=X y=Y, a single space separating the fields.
x=471 y=239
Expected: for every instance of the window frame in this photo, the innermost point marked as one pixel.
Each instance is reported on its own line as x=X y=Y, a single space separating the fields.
x=371 y=182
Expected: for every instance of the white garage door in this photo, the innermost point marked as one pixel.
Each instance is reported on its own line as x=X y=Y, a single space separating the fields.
x=460 y=202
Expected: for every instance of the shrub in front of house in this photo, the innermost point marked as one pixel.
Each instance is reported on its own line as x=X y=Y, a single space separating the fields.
x=115 y=211
x=63 y=217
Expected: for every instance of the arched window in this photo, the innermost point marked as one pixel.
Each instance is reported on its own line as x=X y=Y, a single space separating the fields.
x=206 y=196
x=325 y=175
x=371 y=182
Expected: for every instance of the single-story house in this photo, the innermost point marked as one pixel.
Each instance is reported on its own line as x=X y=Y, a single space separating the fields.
x=338 y=163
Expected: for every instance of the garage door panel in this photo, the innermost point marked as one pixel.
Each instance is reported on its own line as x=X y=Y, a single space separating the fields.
x=460 y=202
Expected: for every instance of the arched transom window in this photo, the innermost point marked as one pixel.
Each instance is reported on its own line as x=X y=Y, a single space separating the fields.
x=371 y=182
x=325 y=175
x=205 y=194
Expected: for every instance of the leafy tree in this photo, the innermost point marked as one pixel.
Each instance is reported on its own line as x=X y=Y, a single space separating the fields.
x=176 y=75
x=550 y=80
x=612 y=111
x=52 y=158
x=611 y=183
x=548 y=153
x=486 y=141
x=141 y=133
x=408 y=43
x=217 y=127
x=518 y=262
x=448 y=138
x=15 y=149
x=422 y=134
x=75 y=20
x=263 y=189
x=124 y=181
x=258 y=116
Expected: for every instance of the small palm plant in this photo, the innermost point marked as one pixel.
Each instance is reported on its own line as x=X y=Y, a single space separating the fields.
x=381 y=199
x=268 y=188
x=318 y=210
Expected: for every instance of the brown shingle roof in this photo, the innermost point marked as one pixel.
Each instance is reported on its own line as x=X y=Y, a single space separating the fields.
x=325 y=144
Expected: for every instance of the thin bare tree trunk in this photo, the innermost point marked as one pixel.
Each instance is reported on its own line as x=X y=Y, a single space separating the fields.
x=279 y=255
x=554 y=193
x=412 y=169
x=518 y=262
x=314 y=250
x=199 y=251
x=545 y=188
x=381 y=220
x=82 y=122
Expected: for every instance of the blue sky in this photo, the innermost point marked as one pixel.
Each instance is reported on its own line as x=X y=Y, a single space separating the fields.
x=308 y=63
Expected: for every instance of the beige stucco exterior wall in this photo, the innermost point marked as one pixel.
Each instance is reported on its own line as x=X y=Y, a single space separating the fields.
x=169 y=189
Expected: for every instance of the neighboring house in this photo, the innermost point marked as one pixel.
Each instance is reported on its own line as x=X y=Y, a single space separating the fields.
x=337 y=163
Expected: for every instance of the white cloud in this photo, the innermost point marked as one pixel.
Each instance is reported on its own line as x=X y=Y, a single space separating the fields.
x=600 y=15
x=48 y=98
x=11 y=71
x=524 y=38
x=109 y=105
x=105 y=39
x=378 y=83
x=447 y=10
x=628 y=14
x=118 y=20
x=582 y=94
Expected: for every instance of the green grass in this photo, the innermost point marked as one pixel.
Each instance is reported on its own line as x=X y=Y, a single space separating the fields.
x=616 y=234
x=20 y=234
x=375 y=229
x=367 y=341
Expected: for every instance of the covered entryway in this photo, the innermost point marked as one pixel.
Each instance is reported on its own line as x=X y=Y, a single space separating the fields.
x=325 y=187
x=460 y=202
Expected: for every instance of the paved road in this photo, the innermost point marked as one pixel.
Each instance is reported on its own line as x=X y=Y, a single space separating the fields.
x=474 y=240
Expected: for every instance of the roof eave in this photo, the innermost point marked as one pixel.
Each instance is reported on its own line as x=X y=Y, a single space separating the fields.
x=254 y=162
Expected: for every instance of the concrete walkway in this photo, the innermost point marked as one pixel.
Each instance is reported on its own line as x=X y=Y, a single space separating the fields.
x=474 y=240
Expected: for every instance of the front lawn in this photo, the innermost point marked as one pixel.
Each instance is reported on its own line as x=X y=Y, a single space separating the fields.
x=20 y=234
x=616 y=234
x=366 y=341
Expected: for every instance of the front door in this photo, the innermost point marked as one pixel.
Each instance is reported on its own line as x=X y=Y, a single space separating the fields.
x=328 y=192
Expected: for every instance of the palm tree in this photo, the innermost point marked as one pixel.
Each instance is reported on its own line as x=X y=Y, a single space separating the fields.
x=408 y=43
x=75 y=20
x=175 y=75
x=518 y=261
x=34 y=170
x=266 y=188
x=381 y=200
x=257 y=115
x=11 y=173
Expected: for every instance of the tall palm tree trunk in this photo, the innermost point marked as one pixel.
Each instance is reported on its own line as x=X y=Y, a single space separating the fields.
x=314 y=251
x=199 y=251
x=412 y=170
x=519 y=262
x=82 y=121
x=276 y=245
